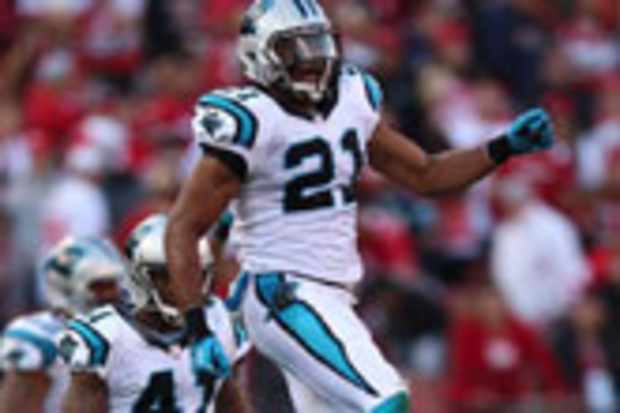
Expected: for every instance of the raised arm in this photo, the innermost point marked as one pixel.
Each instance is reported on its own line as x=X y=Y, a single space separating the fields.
x=408 y=165
x=203 y=199
x=87 y=394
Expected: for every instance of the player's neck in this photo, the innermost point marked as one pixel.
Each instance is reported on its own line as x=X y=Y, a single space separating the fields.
x=298 y=107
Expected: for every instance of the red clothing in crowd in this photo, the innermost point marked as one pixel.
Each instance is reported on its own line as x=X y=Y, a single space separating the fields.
x=8 y=23
x=551 y=174
x=217 y=10
x=387 y=245
x=497 y=365
x=52 y=110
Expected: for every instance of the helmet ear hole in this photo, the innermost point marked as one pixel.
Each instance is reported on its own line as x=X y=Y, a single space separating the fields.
x=252 y=56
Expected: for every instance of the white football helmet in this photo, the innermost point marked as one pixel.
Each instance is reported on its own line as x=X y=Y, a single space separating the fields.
x=73 y=267
x=145 y=249
x=278 y=37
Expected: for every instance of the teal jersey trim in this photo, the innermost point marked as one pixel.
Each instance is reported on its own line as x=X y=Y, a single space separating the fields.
x=396 y=404
x=246 y=121
x=373 y=91
x=241 y=334
x=224 y=226
x=307 y=327
x=234 y=301
x=46 y=347
x=97 y=344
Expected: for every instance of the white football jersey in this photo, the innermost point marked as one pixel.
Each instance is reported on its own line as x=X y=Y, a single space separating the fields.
x=141 y=375
x=27 y=345
x=297 y=209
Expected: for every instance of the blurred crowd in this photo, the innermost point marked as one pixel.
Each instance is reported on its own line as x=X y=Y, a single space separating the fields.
x=505 y=298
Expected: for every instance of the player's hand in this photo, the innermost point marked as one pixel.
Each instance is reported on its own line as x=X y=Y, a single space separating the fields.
x=207 y=353
x=531 y=132
x=209 y=357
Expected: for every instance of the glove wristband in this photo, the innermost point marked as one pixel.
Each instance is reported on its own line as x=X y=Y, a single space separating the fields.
x=197 y=324
x=500 y=150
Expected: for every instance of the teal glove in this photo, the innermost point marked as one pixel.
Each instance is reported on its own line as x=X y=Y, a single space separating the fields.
x=531 y=132
x=209 y=357
x=207 y=353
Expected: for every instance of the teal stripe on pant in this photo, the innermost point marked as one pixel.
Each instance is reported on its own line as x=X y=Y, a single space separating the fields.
x=306 y=326
x=396 y=404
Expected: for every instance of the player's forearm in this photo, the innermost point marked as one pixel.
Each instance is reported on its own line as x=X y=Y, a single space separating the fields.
x=184 y=263
x=202 y=200
x=405 y=163
x=454 y=171
x=440 y=174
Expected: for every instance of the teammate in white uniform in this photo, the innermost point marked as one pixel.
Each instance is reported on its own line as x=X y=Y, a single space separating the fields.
x=80 y=273
x=133 y=358
x=289 y=149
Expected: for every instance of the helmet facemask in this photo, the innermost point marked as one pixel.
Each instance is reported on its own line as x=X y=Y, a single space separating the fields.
x=149 y=278
x=305 y=60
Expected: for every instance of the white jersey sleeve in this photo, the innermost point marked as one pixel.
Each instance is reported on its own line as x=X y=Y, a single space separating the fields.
x=232 y=336
x=366 y=90
x=87 y=342
x=25 y=346
x=225 y=126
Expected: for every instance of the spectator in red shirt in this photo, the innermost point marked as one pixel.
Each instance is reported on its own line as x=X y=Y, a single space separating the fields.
x=493 y=358
x=56 y=100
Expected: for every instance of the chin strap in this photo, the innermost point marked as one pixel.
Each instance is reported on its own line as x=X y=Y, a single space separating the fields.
x=169 y=313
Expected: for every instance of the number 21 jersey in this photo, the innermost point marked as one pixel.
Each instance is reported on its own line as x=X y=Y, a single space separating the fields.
x=297 y=208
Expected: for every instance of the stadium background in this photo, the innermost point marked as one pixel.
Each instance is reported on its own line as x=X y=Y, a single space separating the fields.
x=506 y=298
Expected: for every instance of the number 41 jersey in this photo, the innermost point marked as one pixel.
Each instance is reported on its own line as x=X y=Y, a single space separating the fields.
x=297 y=208
x=142 y=376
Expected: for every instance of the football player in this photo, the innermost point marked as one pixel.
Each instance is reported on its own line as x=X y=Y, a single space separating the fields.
x=79 y=274
x=289 y=149
x=134 y=358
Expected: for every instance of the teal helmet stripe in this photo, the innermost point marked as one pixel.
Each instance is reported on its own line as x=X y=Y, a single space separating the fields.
x=267 y=4
x=301 y=8
x=66 y=260
x=46 y=347
x=248 y=124
x=97 y=344
x=313 y=7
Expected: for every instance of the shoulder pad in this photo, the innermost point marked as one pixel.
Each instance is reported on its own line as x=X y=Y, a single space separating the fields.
x=226 y=117
x=372 y=87
x=24 y=347
x=86 y=343
x=217 y=126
